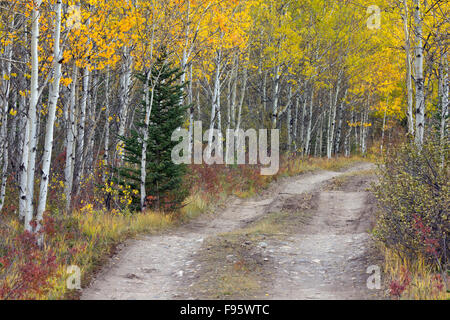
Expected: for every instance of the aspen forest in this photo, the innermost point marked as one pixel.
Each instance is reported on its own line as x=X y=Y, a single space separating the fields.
x=347 y=100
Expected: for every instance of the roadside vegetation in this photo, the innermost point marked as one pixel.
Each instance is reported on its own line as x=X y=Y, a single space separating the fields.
x=413 y=222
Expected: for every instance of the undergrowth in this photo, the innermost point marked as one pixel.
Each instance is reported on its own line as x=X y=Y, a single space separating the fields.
x=412 y=224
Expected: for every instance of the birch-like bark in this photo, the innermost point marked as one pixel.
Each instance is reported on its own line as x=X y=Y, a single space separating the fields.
x=347 y=142
x=4 y=141
x=148 y=110
x=71 y=147
x=215 y=98
x=23 y=168
x=230 y=80
x=322 y=120
x=107 y=115
x=276 y=91
x=302 y=124
x=337 y=145
x=219 y=113
x=364 y=127
x=32 y=117
x=188 y=47
x=350 y=132
x=354 y=120
x=409 y=88
x=82 y=128
x=308 y=130
x=384 y=125
x=191 y=112
x=124 y=98
x=89 y=151
x=289 y=123
x=419 y=80
x=444 y=88
x=264 y=91
x=361 y=130
x=199 y=109
x=241 y=101
x=4 y=176
x=53 y=100
x=444 y=102
x=148 y=98
x=295 y=126
x=234 y=92
x=366 y=132
x=332 y=120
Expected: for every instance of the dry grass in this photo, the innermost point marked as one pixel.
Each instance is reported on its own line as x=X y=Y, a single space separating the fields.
x=414 y=280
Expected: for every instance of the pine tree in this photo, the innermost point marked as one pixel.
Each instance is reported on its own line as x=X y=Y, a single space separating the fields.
x=164 y=179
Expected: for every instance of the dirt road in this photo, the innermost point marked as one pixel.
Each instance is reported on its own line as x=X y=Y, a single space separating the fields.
x=324 y=257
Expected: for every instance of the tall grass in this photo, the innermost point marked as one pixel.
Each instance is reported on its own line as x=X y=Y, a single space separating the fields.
x=413 y=279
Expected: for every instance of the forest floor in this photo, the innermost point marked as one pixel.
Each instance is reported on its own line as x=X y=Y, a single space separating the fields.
x=305 y=237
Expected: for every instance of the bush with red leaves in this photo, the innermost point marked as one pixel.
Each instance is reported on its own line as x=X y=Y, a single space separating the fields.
x=25 y=269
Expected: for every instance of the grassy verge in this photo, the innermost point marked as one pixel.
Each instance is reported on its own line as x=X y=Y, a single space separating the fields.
x=412 y=220
x=413 y=279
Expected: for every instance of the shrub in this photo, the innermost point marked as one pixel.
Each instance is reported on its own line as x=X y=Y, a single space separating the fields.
x=413 y=195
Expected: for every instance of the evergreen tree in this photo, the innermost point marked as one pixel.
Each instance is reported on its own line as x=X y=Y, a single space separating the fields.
x=164 y=179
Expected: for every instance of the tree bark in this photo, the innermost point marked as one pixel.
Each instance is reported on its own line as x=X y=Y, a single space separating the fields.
x=409 y=111
x=32 y=117
x=419 y=80
x=70 y=150
x=124 y=98
x=276 y=91
x=82 y=129
x=53 y=100
x=308 y=130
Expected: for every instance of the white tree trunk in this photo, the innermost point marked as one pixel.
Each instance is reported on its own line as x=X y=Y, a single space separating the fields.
x=308 y=130
x=384 y=125
x=337 y=145
x=124 y=98
x=92 y=107
x=241 y=101
x=23 y=168
x=148 y=110
x=276 y=90
x=289 y=126
x=444 y=88
x=215 y=98
x=419 y=80
x=53 y=100
x=320 y=134
x=70 y=138
x=107 y=115
x=295 y=126
x=409 y=111
x=302 y=124
x=233 y=99
x=332 y=120
x=82 y=129
x=347 y=142
x=191 y=112
x=32 y=118
x=5 y=87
